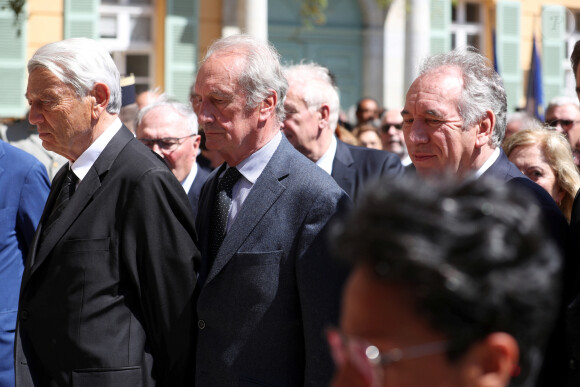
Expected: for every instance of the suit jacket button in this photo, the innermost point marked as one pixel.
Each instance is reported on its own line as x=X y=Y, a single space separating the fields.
x=24 y=315
x=201 y=324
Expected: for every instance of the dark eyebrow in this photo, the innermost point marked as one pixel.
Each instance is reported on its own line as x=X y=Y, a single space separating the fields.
x=404 y=111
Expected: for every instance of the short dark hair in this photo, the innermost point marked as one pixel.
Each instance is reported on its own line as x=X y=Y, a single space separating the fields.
x=474 y=257
x=575 y=58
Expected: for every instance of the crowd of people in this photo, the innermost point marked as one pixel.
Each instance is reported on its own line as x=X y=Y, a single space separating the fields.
x=255 y=237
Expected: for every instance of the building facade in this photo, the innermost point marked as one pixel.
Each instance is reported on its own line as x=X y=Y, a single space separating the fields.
x=371 y=49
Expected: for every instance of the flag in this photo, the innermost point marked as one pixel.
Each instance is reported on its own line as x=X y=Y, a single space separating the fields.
x=534 y=94
x=495 y=65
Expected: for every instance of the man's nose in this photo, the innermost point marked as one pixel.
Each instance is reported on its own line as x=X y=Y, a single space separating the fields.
x=417 y=134
x=35 y=117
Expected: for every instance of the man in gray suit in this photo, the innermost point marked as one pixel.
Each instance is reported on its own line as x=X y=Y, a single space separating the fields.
x=268 y=288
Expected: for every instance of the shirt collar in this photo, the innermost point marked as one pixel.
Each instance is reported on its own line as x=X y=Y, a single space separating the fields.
x=325 y=162
x=488 y=163
x=187 y=183
x=83 y=164
x=251 y=168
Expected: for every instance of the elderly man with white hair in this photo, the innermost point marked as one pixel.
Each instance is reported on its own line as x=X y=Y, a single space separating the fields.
x=107 y=292
x=563 y=113
x=169 y=128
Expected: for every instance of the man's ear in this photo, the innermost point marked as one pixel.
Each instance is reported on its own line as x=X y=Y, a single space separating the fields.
x=324 y=112
x=101 y=96
x=492 y=361
x=196 y=142
x=268 y=105
x=485 y=129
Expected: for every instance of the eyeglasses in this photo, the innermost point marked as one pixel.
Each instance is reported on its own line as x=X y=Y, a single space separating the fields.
x=368 y=359
x=167 y=144
x=566 y=124
x=387 y=126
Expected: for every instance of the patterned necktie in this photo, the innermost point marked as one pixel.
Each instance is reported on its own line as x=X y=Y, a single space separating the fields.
x=66 y=191
x=221 y=210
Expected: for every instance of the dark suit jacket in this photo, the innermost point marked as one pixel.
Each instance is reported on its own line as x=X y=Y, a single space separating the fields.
x=24 y=187
x=195 y=188
x=554 y=370
x=355 y=166
x=573 y=312
x=107 y=297
x=272 y=288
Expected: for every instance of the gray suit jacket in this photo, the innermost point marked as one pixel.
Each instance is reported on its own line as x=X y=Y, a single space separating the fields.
x=107 y=297
x=273 y=286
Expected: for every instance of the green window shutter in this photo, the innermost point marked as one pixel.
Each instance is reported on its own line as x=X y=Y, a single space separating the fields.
x=553 y=50
x=12 y=62
x=440 y=16
x=180 y=47
x=81 y=19
x=508 y=50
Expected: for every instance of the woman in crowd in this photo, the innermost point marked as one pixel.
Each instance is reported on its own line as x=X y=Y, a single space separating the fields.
x=545 y=156
x=368 y=136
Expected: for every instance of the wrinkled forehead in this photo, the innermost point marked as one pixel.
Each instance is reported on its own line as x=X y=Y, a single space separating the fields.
x=220 y=68
x=569 y=111
x=443 y=86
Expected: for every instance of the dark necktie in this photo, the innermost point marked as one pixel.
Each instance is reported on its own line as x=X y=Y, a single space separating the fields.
x=66 y=190
x=221 y=210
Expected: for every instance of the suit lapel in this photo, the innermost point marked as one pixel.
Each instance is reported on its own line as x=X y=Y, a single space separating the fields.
x=262 y=197
x=342 y=171
x=82 y=196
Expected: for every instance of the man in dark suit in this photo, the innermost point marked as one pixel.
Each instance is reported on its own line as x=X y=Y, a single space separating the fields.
x=312 y=107
x=108 y=289
x=270 y=288
x=573 y=318
x=169 y=128
x=25 y=187
x=454 y=121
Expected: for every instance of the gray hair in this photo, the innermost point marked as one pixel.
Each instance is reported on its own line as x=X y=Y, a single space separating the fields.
x=482 y=87
x=316 y=87
x=262 y=72
x=562 y=101
x=528 y=121
x=81 y=63
x=165 y=101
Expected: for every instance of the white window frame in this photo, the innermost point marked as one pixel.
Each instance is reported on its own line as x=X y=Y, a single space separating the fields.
x=121 y=46
x=461 y=28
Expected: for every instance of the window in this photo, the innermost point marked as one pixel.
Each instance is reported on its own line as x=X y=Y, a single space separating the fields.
x=126 y=28
x=573 y=35
x=467 y=24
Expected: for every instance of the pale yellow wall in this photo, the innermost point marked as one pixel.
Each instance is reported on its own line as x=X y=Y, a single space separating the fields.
x=210 y=24
x=45 y=23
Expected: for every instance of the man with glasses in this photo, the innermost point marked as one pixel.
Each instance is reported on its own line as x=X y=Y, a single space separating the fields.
x=392 y=135
x=563 y=113
x=312 y=108
x=169 y=128
x=448 y=288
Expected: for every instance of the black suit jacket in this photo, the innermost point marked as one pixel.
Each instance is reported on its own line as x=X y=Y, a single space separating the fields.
x=273 y=287
x=107 y=297
x=554 y=369
x=355 y=166
x=573 y=312
x=195 y=188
